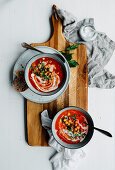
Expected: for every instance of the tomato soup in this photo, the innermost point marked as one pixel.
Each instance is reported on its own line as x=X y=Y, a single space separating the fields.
x=71 y=126
x=45 y=74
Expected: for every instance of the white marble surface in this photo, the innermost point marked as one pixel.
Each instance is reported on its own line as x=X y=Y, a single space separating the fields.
x=28 y=20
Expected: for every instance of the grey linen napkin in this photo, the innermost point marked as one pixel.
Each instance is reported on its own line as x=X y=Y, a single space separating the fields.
x=99 y=51
x=63 y=159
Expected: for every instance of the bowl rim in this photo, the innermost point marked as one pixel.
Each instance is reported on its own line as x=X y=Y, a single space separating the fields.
x=83 y=37
x=88 y=136
x=65 y=65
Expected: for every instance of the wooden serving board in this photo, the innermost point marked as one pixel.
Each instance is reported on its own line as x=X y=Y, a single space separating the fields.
x=75 y=95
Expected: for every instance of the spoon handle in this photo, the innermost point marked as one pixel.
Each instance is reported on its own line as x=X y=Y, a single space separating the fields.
x=27 y=46
x=103 y=131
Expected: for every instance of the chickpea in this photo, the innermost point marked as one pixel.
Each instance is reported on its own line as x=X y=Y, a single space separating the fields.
x=76 y=121
x=78 y=127
x=69 y=121
x=68 y=114
x=64 y=120
x=75 y=129
x=74 y=132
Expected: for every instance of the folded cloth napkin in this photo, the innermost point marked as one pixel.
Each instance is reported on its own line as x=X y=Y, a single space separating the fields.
x=99 y=51
x=63 y=159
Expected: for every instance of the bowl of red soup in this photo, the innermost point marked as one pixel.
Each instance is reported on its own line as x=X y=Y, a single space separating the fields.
x=72 y=127
x=46 y=74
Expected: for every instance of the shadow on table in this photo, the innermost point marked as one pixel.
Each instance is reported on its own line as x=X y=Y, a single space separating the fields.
x=25 y=120
x=25 y=104
x=12 y=68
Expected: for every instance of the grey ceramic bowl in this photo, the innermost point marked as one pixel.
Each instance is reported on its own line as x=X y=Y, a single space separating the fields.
x=88 y=136
x=63 y=63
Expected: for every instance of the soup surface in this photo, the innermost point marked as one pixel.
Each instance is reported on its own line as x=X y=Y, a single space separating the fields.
x=45 y=74
x=71 y=126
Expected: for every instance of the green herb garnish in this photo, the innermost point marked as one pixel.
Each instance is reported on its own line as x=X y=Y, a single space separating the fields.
x=74 y=135
x=69 y=128
x=72 y=47
x=43 y=75
x=78 y=136
x=68 y=56
x=71 y=137
x=43 y=68
x=61 y=119
x=82 y=135
x=37 y=74
x=31 y=67
x=46 y=77
x=42 y=64
x=49 y=78
x=73 y=117
x=72 y=63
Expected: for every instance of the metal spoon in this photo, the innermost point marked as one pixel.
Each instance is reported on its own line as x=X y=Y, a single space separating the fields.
x=101 y=130
x=104 y=132
x=27 y=46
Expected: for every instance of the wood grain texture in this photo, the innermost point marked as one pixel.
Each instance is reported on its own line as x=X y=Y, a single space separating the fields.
x=75 y=95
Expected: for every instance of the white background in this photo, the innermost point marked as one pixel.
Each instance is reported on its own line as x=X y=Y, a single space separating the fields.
x=28 y=20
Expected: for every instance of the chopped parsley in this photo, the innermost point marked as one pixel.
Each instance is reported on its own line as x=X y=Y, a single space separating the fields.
x=73 y=117
x=69 y=128
x=31 y=67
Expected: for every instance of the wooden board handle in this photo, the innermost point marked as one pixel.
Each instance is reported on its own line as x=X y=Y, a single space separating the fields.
x=57 y=35
x=57 y=28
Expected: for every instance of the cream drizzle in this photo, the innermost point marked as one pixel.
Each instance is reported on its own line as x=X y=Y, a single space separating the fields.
x=70 y=134
x=54 y=84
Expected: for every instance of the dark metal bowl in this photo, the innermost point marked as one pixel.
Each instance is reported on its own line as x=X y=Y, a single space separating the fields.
x=88 y=136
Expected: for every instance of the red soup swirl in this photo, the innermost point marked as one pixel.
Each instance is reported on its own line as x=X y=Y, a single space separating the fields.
x=71 y=126
x=45 y=74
